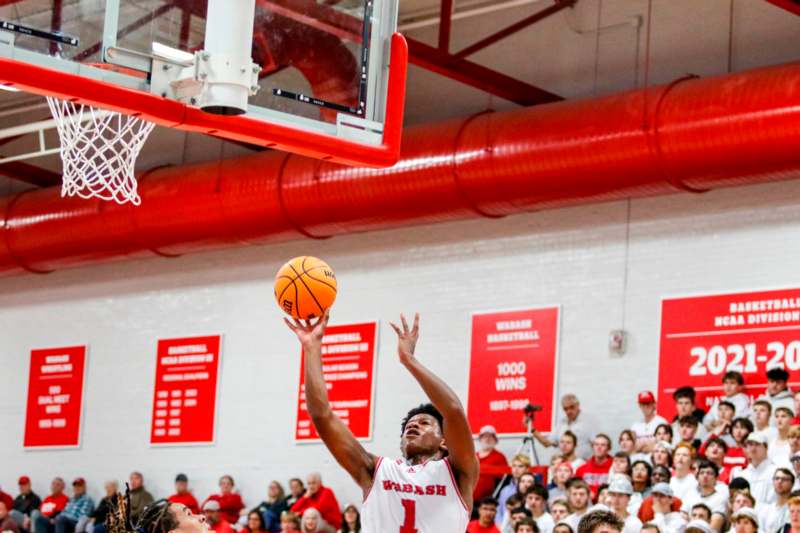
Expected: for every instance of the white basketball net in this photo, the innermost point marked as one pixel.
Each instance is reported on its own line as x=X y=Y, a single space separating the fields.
x=99 y=150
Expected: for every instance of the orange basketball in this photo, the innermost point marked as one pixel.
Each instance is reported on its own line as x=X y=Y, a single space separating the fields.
x=305 y=287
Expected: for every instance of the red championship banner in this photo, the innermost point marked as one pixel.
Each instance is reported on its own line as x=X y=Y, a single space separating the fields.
x=702 y=337
x=185 y=396
x=348 y=365
x=55 y=397
x=512 y=364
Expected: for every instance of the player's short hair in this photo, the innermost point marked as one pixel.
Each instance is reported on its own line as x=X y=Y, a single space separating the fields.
x=422 y=409
x=591 y=520
x=733 y=375
x=527 y=521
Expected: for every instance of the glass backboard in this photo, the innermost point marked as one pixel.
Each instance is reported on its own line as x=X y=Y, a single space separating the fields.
x=326 y=78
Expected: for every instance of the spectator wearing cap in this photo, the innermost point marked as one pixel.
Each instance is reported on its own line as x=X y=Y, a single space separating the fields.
x=25 y=503
x=685 y=406
x=230 y=501
x=97 y=520
x=773 y=516
x=778 y=393
x=43 y=519
x=574 y=420
x=619 y=495
x=596 y=470
x=663 y=510
x=183 y=495
x=78 y=509
x=733 y=393
x=682 y=481
x=779 y=448
x=140 y=498
x=707 y=493
x=536 y=502
x=519 y=465
x=215 y=519
x=745 y=521
x=645 y=429
x=320 y=498
x=760 y=471
x=7 y=523
x=493 y=464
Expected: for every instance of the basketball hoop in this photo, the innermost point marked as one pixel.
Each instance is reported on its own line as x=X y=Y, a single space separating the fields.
x=99 y=150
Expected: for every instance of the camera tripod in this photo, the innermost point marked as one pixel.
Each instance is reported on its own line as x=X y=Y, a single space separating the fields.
x=527 y=446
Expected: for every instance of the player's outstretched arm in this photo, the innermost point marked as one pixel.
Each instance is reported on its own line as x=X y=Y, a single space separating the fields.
x=457 y=433
x=347 y=451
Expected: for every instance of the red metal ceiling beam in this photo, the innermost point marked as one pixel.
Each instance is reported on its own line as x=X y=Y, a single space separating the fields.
x=792 y=6
x=445 y=25
x=31 y=174
x=478 y=76
x=516 y=27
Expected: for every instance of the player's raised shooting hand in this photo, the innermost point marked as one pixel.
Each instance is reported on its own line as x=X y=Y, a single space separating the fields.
x=309 y=333
x=406 y=339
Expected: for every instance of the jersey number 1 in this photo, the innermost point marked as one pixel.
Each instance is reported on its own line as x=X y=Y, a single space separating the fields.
x=410 y=508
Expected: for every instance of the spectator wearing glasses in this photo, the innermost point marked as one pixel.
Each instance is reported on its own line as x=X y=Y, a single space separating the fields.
x=773 y=516
x=574 y=420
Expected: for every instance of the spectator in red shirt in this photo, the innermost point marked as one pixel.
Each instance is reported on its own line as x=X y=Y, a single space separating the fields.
x=596 y=470
x=320 y=498
x=230 y=503
x=487 y=509
x=493 y=464
x=215 y=519
x=182 y=494
x=43 y=518
x=7 y=524
x=7 y=499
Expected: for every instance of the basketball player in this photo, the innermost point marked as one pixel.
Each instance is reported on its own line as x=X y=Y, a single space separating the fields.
x=429 y=490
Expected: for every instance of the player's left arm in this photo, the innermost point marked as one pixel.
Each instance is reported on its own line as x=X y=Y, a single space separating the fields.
x=457 y=433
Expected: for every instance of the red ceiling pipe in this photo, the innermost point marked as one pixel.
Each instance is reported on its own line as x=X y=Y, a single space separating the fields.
x=691 y=135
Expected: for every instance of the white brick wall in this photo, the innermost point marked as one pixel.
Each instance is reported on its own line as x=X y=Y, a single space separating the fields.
x=737 y=239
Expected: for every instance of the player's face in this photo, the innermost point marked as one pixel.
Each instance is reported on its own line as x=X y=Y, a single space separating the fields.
x=187 y=521
x=422 y=435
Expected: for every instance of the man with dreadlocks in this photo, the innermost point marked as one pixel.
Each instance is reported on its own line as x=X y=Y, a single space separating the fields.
x=430 y=489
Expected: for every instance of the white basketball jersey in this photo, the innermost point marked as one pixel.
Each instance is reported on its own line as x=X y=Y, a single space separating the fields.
x=408 y=498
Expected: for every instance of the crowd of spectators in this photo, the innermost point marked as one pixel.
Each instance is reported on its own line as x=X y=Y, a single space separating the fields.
x=308 y=507
x=734 y=468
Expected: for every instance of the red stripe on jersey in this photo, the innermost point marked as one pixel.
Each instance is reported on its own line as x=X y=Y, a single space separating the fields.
x=374 y=475
x=455 y=485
